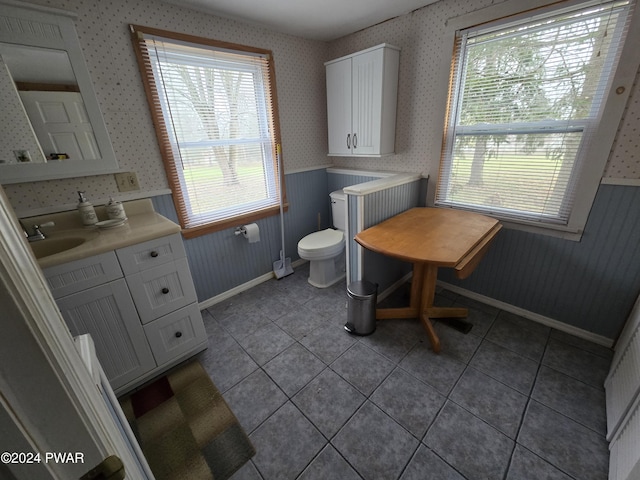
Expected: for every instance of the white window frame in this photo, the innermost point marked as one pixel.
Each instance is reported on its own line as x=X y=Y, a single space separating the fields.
x=193 y=222
x=596 y=158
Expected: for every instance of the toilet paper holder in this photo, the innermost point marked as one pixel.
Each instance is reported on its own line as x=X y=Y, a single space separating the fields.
x=251 y=232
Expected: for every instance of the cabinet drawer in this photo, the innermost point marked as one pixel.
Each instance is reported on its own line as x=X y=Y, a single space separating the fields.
x=161 y=290
x=89 y=272
x=143 y=256
x=176 y=334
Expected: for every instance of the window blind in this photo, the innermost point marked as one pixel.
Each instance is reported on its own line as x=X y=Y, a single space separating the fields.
x=214 y=110
x=526 y=98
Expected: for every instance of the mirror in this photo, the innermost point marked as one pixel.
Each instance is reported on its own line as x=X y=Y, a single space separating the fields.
x=54 y=127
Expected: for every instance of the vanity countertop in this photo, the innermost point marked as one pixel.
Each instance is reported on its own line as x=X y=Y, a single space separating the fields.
x=142 y=224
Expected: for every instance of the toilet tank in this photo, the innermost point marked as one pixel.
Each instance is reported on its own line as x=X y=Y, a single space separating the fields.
x=339 y=209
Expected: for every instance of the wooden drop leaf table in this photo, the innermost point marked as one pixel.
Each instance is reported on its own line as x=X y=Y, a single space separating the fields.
x=431 y=238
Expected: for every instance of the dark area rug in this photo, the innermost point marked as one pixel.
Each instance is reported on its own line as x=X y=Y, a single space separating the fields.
x=185 y=428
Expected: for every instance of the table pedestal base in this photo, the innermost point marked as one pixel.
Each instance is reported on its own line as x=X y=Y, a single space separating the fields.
x=423 y=291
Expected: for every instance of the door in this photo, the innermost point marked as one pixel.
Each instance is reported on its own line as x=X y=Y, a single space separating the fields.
x=367 y=102
x=108 y=314
x=48 y=400
x=339 y=107
x=61 y=124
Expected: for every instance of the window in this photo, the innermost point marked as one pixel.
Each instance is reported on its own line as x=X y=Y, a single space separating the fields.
x=215 y=114
x=526 y=101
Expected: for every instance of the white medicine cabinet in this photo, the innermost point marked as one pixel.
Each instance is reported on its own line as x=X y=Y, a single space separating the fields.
x=362 y=91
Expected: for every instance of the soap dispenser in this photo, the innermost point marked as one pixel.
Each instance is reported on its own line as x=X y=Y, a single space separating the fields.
x=87 y=212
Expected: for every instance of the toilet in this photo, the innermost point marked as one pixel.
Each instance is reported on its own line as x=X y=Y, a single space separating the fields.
x=325 y=249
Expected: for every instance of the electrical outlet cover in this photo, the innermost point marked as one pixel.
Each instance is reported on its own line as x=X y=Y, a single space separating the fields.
x=127 y=181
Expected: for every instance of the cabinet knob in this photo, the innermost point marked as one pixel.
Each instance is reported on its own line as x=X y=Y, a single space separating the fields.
x=348 y=140
x=154 y=254
x=178 y=334
x=355 y=140
x=165 y=290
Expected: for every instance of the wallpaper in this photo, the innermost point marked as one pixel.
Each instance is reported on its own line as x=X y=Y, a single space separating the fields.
x=420 y=35
x=106 y=43
x=104 y=36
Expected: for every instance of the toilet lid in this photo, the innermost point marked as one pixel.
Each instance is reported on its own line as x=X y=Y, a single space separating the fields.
x=321 y=240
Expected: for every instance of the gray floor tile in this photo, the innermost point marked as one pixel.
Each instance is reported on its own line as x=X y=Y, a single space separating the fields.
x=375 y=445
x=294 y=368
x=297 y=286
x=439 y=370
x=395 y=338
x=519 y=335
x=328 y=342
x=301 y=322
x=362 y=367
x=594 y=348
x=240 y=325
x=426 y=463
x=577 y=363
x=254 y=399
x=329 y=465
x=569 y=446
x=228 y=368
x=247 y=472
x=330 y=306
x=481 y=318
x=276 y=305
x=285 y=444
x=265 y=343
x=472 y=447
x=528 y=466
x=505 y=366
x=456 y=344
x=219 y=339
x=500 y=406
x=328 y=401
x=577 y=400
x=410 y=402
x=241 y=303
x=311 y=421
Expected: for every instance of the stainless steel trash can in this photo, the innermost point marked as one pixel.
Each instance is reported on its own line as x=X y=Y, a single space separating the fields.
x=361 y=307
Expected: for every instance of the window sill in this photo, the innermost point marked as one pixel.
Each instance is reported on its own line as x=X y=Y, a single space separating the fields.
x=231 y=222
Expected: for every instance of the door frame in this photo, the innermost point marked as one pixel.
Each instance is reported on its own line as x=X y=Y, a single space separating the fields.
x=48 y=399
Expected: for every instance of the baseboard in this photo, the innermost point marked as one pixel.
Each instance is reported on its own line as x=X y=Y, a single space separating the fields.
x=243 y=287
x=549 y=322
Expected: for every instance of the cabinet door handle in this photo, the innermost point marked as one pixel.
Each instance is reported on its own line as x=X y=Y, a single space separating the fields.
x=154 y=254
x=165 y=290
x=348 y=140
x=355 y=140
x=178 y=334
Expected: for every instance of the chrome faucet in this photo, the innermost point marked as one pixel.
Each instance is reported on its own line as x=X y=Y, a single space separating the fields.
x=37 y=233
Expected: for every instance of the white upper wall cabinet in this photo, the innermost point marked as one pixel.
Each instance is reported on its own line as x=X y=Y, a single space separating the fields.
x=362 y=93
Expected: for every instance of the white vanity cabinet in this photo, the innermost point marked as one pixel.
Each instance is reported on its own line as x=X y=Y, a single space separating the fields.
x=139 y=305
x=362 y=91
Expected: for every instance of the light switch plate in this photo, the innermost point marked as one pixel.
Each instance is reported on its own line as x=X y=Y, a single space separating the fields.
x=127 y=181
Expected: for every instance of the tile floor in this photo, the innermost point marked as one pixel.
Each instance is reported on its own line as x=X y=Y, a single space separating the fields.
x=512 y=399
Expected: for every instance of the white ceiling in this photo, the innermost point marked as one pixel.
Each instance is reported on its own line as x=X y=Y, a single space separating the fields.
x=314 y=19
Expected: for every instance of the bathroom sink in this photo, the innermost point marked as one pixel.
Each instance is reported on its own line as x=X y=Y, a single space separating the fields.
x=51 y=246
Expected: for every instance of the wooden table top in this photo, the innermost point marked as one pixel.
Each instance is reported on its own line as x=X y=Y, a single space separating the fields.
x=439 y=236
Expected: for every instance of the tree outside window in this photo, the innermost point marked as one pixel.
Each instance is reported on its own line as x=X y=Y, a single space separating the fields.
x=526 y=99
x=216 y=120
